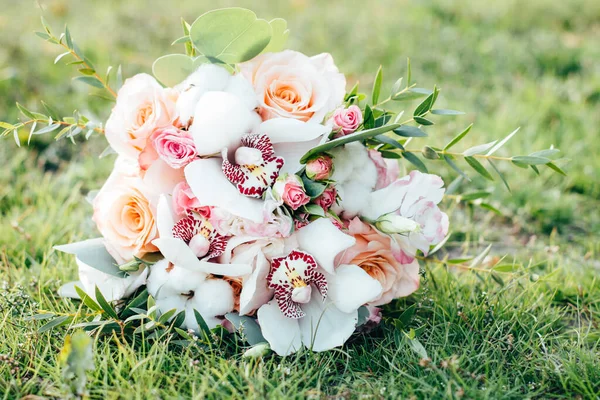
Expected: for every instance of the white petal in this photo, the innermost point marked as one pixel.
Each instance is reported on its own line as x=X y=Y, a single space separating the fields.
x=161 y=178
x=211 y=187
x=351 y=287
x=325 y=326
x=255 y=291
x=176 y=251
x=164 y=218
x=220 y=121
x=282 y=333
x=292 y=153
x=286 y=130
x=68 y=290
x=111 y=287
x=324 y=241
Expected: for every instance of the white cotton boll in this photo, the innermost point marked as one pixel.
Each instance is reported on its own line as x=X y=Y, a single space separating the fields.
x=355 y=198
x=167 y=280
x=220 y=121
x=352 y=163
x=239 y=86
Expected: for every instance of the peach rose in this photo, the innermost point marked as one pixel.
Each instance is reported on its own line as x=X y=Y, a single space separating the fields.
x=291 y=85
x=124 y=214
x=142 y=106
x=372 y=252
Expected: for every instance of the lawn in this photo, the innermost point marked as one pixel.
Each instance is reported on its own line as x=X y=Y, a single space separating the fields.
x=530 y=333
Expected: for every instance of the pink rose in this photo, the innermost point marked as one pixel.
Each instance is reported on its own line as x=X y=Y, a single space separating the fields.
x=291 y=85
x=142 y=107
x=184 y=199
x=302 y=221
x=327 y=199
x=346 y=120
x=372 y=252
x=290 y=190
x=124 y=214
x=320 y=168
x=174 y=146
x=388 y=170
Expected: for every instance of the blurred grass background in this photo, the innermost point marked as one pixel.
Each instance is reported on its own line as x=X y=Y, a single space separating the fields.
x=532 y=64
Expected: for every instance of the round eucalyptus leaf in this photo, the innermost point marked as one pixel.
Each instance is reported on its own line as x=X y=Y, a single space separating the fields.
x=231 y=35
x=174 y=68
x=279 y=36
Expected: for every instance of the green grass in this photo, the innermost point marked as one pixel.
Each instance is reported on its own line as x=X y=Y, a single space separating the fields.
x=534 y=334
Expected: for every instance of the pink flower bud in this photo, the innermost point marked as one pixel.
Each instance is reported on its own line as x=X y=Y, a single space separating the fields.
x=319 y=168
x=289 y=189
x=346 y=120
x=327 y=199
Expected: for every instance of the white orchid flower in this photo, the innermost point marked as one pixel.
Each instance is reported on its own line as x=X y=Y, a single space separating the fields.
x=174 y=287
x=315 y=305
x=190 y=242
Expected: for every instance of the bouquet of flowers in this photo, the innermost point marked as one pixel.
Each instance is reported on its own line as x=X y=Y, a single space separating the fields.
x=252 y=193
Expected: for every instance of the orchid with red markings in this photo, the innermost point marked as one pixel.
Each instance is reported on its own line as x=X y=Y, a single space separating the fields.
x=256 y=167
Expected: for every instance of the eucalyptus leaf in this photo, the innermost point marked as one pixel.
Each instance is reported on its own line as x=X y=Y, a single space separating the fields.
x=409 y=131
x=232 y=35
x=502 y=142
x=377 y=86
x=248 y=327
x=455 y=167
x=476 y=165
x=90 y=80
x=479 y=149
x=458 y=137
x=446 y=112
x=414 y=160
x=279 y=36
x=174 y=68
x=530 y=160
x=93 y=253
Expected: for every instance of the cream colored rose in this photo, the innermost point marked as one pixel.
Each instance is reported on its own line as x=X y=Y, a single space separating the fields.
x=124 y=214
x=291 y=85
x=142 y=106
x=372 y=252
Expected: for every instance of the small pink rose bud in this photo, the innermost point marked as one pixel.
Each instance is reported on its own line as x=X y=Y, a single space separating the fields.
x=320 y=168
x=289 y=189
x=346 y=120
x=327 y=199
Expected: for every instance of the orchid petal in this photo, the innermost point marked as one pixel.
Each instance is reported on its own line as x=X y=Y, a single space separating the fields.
x=311 y=239
x=165 y=220
x=178 y=253
x=283 y=334
x=211 y=187
x=286 y=130
x=325 y=326
x=255 y=292
x=351 y=287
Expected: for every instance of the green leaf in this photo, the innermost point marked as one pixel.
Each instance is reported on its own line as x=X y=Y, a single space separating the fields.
x=414 y=160
x=313 y=189
x=409 y=131
x=426 y=104
x=491 y=208
x=165 y=317
x=458 y=137
x=25 y=111
x=247 y=327
x=396 y=87
x=476 y=165
x=411 y=94
x=390 y=141
x=107 y=308
x=506 y=267
x=87 y=71
x=423 y=121
x=446 y=112
x=174 y=68
x=499 y=174
x=479 y=259
x=6 y=125
x=201 y=324
x=68 y=38
x=232 y=35
x=389 y=154
x=58 y=58
x=279 y=35
x=530 y=160
x=90 y=80
x=183 y=39
x=479 y=149
x=556 y=168
x=43 y=35
x=62 y=320
x=51 y=111
x=360 y=135
x=475 y=195
x=87 y=299
x=548 y=153
x=314 y=209
x=502 y=142
x=408 y=72
x=377 y=86
x=93 y=253
x=455 y=167
x=369 y=119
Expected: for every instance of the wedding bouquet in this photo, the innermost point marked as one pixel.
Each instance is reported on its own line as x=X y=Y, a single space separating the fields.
x=252 y=193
